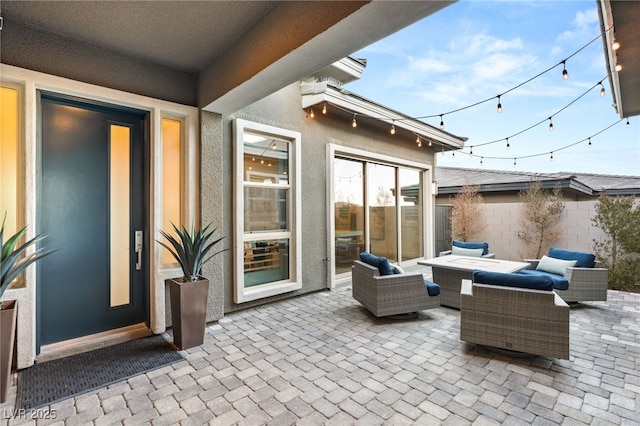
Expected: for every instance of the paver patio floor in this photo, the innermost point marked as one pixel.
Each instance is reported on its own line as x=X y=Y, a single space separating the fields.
x=323 y=359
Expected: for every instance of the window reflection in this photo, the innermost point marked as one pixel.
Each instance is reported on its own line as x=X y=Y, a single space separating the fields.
x=349 y=212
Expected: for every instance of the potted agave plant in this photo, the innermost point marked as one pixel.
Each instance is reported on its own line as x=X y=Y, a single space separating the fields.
x=189 y=293
x=13 y=263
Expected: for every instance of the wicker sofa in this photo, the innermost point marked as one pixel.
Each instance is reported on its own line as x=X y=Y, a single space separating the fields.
x=514 y=312
x=465 y=248
x=583 y=282
x=385 y=295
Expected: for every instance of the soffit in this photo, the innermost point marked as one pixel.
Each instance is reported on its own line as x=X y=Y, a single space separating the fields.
x=184 y=35
x=625 y=17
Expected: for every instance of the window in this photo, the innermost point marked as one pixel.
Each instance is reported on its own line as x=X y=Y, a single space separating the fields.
x=171 y=179
x=10 y=170
x=267 y=211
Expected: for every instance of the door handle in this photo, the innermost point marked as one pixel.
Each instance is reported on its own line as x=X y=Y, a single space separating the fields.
x=138 y=248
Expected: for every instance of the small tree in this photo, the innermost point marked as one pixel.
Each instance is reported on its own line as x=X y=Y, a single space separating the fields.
x=539 y=217
x=619 y=218
x=466 y=215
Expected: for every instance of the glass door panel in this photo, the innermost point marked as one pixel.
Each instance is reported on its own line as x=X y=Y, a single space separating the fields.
x=381 y=200
x=411 y=220
x=348 y=212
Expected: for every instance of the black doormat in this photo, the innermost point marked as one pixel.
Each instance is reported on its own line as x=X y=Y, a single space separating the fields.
x=52 y=381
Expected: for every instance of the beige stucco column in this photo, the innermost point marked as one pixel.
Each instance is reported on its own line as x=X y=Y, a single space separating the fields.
x=211 y=205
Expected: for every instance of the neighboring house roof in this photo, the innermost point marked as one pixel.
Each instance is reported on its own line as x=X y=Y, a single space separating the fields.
x=451 y=179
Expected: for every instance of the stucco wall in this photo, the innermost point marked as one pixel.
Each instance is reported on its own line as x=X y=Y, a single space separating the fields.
x=283 y=109
x=502 y=221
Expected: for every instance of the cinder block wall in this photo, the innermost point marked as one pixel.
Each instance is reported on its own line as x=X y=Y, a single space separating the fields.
x=502 y=221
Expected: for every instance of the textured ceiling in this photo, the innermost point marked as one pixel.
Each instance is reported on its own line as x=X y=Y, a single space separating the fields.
x=185 y=35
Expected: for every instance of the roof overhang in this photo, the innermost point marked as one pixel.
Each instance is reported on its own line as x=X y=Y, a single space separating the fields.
x=568 y=184
x=321 y=92
x=620 y=20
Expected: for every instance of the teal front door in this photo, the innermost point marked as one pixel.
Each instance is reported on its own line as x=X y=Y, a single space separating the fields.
x=92 y=205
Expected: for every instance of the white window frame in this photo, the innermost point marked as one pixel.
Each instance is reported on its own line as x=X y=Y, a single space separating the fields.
x=294 y=233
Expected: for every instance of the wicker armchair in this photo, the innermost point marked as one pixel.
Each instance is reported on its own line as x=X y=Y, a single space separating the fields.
x=587 y=281
x=385 y=295
x=516 y=319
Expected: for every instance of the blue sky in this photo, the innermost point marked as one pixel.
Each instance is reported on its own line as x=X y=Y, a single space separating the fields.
x=475 y=50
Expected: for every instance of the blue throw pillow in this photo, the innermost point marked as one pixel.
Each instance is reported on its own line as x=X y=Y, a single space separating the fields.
x=535 y=282
x=466 y=245
x=584 y=260
x=381 y=263
x=432 y=288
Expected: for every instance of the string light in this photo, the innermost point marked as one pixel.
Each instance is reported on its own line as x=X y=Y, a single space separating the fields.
x=602 y=92
x=563 y=62
x=499 y=104
x=393 y=128
x=550 y=125
x=615 y=45
x=418 y=141
x=565 y=73
x=441 y=123
x=324 y=108
x=589 y=145
x=618 y=67
x=628 y=124
x=557 y=149
x=481 y=161
x=508 y=145
x=430 y=144
x=354 y=123
x=514 y=163
x=471 y=152
x=311 y=114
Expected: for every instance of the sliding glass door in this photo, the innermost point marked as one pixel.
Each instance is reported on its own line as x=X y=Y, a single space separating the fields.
x=349 y=212
x=378 y=208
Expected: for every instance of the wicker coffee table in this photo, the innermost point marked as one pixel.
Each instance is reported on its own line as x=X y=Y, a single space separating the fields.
x=449 y=271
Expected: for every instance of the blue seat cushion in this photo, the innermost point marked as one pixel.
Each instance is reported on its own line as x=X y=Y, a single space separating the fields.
x=584 y=260
x=381 y=263
x=467 y=245
x=535 y=282
x=559 y=282
x=432 y=288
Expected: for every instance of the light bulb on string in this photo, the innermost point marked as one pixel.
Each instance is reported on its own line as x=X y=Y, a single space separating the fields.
x=550 y=125
x=453 y=154
x=354 y=123
x=471 y=152
x=508 y=145
x=551 y=157
x=618 y=67
x=324 y=108
x=441 y=123
x=393 y=128
x=565 y=73
x=615 y=45
x=418 y=141
x=311 y=114
x=602 y=92
x=628 y=124
x=589 y=144
x=499 y=104
x=430 y=143
x=481 y=161
x=514 y=163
